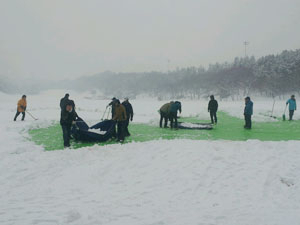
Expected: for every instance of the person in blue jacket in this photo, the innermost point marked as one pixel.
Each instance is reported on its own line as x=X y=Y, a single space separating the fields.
x=292 y=106
x=176 y=106
x=248 y=111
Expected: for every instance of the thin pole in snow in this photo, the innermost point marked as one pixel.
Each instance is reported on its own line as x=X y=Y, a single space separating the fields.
x=246 y=43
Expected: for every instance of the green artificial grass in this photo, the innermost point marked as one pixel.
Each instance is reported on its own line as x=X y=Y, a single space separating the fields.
x=228 y=128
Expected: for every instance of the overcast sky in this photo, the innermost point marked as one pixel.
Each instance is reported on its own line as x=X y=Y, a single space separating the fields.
x=70 y=38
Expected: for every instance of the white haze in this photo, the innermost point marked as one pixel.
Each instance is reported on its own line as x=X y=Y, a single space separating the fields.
x=66 y=39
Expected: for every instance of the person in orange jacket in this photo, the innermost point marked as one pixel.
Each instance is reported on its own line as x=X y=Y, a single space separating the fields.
x=22 y=104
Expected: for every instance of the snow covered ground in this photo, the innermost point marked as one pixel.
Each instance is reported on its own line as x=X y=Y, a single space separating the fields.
x=152 y=183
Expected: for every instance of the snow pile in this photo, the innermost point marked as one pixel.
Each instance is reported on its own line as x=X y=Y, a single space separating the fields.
x=158 y=182
x=194 y=125
x=97 y=131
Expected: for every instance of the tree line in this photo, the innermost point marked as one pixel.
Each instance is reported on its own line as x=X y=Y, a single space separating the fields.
x=271 y=75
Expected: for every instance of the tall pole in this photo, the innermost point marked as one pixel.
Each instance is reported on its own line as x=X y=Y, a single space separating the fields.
x=246 y=43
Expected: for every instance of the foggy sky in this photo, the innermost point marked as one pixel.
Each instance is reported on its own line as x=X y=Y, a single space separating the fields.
x=69 y=38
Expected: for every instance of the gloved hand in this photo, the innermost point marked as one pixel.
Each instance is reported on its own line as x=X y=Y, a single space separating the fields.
x=131 y=118
x=73 y=122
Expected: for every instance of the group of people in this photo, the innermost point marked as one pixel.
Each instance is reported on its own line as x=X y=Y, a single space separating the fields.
x=169 y=112
x=248 y=110
x=123 y=113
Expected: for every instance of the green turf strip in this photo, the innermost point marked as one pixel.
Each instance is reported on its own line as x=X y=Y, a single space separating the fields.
x=228 y=128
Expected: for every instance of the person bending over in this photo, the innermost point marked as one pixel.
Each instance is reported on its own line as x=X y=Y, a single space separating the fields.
x=174 y=108
x=164 y=112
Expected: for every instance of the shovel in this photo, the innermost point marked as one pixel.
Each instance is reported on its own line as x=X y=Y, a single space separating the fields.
x=31 y=115
x=273 y=110
x=283 y=116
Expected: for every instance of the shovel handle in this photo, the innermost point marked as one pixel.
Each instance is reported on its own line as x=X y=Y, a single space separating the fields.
x=285 y=109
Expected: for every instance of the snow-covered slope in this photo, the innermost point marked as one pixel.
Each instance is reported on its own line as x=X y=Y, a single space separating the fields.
x=157 y=182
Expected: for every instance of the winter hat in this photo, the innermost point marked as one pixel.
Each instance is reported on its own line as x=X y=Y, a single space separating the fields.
x=69 y=102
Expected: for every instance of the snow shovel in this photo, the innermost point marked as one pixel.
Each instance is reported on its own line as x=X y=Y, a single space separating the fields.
x=273 y=110
x=283 y=116
x=31 y=115
x=109 y=111
x=103 y=114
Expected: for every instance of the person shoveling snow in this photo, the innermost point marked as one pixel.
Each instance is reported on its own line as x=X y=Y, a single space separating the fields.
x=22 y=104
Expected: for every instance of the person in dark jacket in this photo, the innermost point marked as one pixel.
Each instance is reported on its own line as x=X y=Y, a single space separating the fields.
x=176 y=106
x=121 y=117
x=112 y=105
x=292 y=106
x=248 y=111
x=67 y=116
x=129 y=114
x=212 y=109
x=63 y=101
x=21 y=108
x=164 y=112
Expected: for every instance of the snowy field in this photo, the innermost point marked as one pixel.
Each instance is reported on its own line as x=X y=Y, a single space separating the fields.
x=160 y=182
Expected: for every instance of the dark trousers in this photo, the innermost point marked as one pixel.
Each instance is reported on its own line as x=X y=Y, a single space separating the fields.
x=121 y=133
x=126 y=131
x=18 y=113
x=248 y=122
x=66 y=129
x=173 y=117
x=163 y=116
x=213 y=116
x=291 y=114
x=114 y=133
